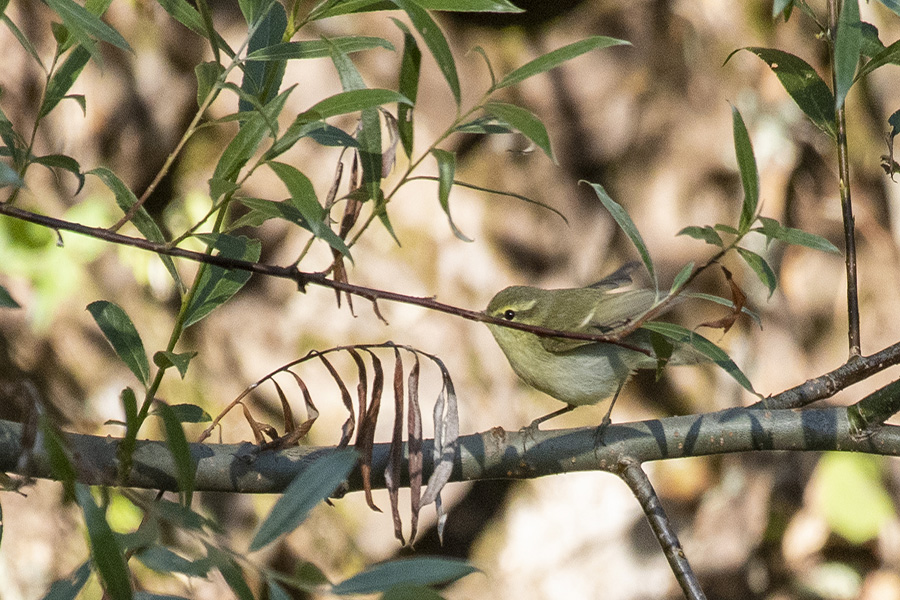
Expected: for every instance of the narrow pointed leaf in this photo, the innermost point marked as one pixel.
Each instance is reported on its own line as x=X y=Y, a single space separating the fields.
x=125 y=198
x=762 y=269
x=318 y=48
x=303 y=198
x=63 y=78
x=61 y=161
x=69 y=588
x=184 y=13
x=217 y=284
x=314 y=484
x=424 y=570
x=408 y=85
x=23 y=40
x=743 y=149
x=356 y=100
x=446 y=170
x=437 y=44
x=682 y=276
x=557 y=57
x=846 y=50
x=180 y=361
x=803 y=84
x=76 y=17
x=262 y=80
x=122 y=335
x=888 y=56
x=108 y=558
x=176 y=441
x=523 y=121
x=706 y=234
x=774 y=230
x=627 y=225
x=680 y=335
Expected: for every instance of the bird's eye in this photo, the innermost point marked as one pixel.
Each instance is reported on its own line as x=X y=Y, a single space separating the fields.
x=509 y=315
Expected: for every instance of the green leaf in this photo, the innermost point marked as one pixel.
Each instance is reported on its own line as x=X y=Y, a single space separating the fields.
x=6 y=299
x=761 y=268
x=314 y=484
x=108 y=559
x=254 y=10
x=247 y=140
x=70 y=587
x=557 y=57
x=408 y=85
x=207 y=74
x=411 y=592
x=61 y=467
x=627 y=225
x=329 y=135
x=23 y=40
x=125 y=198
x=773 y=229
x=846 y=50
x=680 y=335
x=63 y=78
x=437 y=44
x=231 y=573
x=523 y=121
x=184 y=13
x=187 y=413
x=497 y=6
x=303 y=198
x=61 y=161
x=8 y=176
x=163 y=560
x=77 y=18
x=803 y=84
x=743 y=149
x=888 y=56
x=126 y=447
x=871 y=44
x=485 y=125
x=682 y=276
x=125 y=340
x=318 y=48
x=262 y=80
x=181 y=451
x=216 y=284
x=446 y=170
x=166 y=359
x=424 y=570
x=706 y=234
x=354 y=101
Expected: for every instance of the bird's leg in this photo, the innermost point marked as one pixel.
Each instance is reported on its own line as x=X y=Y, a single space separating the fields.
x=536 y=423
x=607 y=421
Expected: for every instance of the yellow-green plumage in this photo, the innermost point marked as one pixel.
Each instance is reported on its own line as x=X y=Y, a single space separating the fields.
x=577 y=372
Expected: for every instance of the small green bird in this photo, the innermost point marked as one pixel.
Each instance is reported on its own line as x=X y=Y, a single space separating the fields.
x=578 y=372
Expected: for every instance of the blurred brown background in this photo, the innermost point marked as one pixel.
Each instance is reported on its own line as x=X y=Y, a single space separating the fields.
x=651 y=122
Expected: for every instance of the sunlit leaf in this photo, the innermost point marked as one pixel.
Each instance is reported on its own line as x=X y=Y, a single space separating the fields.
x=557 y=57
x=446 y=170
x=523 y=121
x=262 y=80
x=76 y=17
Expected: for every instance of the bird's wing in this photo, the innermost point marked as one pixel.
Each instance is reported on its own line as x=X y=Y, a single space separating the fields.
x=618 y=278
x=596 y=312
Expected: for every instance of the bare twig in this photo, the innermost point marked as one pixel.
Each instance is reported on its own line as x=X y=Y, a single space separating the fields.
x=630 y=471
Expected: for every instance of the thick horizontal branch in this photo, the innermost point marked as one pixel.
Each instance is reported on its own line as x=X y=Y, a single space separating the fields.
x=494 y=454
